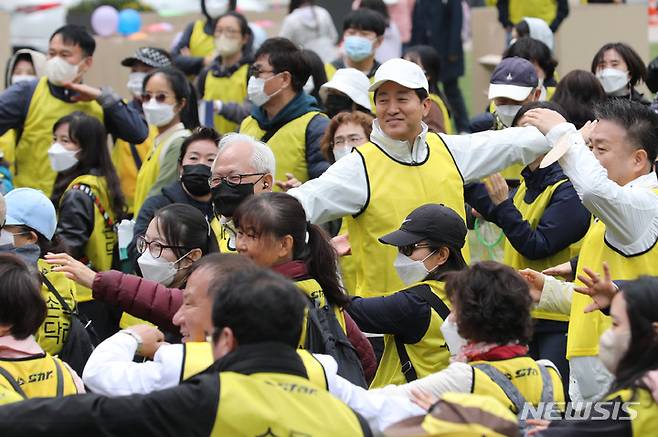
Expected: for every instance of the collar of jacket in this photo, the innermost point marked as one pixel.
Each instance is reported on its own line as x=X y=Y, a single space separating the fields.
x=401 y=150
x=294 y=270
x=218 y=71
x=340 y=63
x=265 y=357
x=176 y=194
x=298 y=106
x=541 y=178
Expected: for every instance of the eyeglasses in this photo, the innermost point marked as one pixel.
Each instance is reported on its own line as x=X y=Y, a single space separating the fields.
x=159 y=97
x=232 y=180
x=255 y=71
x=227 y=32
x=408 y=250
x=352 y=140
x=154 y=247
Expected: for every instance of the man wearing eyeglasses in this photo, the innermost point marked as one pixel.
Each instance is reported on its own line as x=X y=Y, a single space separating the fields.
x=284 y=116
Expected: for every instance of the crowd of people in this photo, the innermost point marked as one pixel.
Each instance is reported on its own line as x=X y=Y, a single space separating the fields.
x=272 y=236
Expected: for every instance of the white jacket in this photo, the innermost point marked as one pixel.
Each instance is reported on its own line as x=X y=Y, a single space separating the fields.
x=312 y=28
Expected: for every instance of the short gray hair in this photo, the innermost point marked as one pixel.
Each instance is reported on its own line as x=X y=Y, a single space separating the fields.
x=262 y=159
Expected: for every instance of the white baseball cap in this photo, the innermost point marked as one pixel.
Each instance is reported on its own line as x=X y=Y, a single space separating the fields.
x=402 y=72
x=350 y=82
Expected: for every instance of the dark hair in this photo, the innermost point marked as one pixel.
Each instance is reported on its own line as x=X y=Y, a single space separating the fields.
x=294 y=4
x=232 y=4
x=639 y=122
x=89 y=134
x=21 y=304
x=283 y=56
x=377 y=6
x=73 y=34
x=578 y=93
x=365 y=19
x=318 y=73
x=492 y=302
x=201 y=133
x=280 y=214
x=430 y=62
x=636 y=68
x=534 y=105
x=218 y=266
x=182 y=89
x=641 y=298
x=183 y=225
x=522 y=29
x=534 y=51
x=357 y=117
x=280 y=312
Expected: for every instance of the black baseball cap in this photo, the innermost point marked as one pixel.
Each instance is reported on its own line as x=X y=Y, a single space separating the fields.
x=151 y=56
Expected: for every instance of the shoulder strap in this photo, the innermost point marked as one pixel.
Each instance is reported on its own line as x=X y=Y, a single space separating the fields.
x=60 y=378
x=54 y=291
x=136 y=157
x=547 y=384
x=14 y=384
x=88 y=191
x=504 y=383
x=408 y=369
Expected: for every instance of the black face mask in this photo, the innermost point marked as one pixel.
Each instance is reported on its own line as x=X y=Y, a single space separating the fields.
x=337 y=103
x=195 y=179
x=226 y=198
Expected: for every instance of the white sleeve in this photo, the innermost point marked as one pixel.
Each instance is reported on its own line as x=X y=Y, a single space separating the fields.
x=556 y=296
x=340 y=191
x=630 y=213
x=380 y=410
x=484 y=153
x=457 y=377
x=111 y=371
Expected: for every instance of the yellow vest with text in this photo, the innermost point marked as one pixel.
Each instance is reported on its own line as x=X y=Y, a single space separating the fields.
x=447 y=121
x=148 y=174
x=32 y=166
x=524 y=373
x=198 y=356
x=394 y=190
x=585 y=329
x=230 y=89
x=40 y=376
x=103 y=238
x=532 y=213
x=544 y=9
x=644 y=408
x=201 y=44
x=312 y=289
x=54 y=331
x=124 y=162
x=288 y=145
x=283 y=405
x=428 y=356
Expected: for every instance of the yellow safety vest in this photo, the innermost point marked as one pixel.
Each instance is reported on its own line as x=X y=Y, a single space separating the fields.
x=643 y=407
x=229 y=89
x=428 y=356
x=394 y=190
x=201 y=44
x=288 y=144
x=524 y=373
x=585 y=329
x=198 y=356
x=150 y=170
x=544 y=9
x=329 y=70
x=447 y=121
x=126 y=164
x=54 y=331
x=284 y=405
x=39 y=376
x=8 y=396
x=223 y=235
x=32 y=166
x=103 y=238
x=312 y=289
x=532 y=213
x=8 y=148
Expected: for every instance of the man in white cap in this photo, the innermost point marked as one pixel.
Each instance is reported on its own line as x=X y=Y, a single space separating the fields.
x=346 y=91
x=402 y=167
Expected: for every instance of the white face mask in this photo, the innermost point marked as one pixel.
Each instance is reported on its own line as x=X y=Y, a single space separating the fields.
x=22 y=78
x=227 y=46
x=136 y=82
x=613 y=347
x=409 y=270
x=506 y=113
x=613 y=81
x=6 y=238
x=256 y=91
x=158 y=269
x=451 y=336
x=158 y=114
x=309 y=86
x=60 y=72
x=215 y=8
x=341 y=152
x=61 y=159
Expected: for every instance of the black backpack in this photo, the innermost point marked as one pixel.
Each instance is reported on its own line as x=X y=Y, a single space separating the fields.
x=324 y=335
x=81 y=339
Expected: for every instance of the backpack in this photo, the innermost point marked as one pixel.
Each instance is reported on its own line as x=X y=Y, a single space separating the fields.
x=324 y=335
x=81 y=339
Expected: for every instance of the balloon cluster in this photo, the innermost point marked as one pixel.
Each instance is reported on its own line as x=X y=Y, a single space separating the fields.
x=106 y=21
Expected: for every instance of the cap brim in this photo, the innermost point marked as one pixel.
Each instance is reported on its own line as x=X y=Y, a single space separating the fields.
x=513 y=92
x=401 y=238
x=11 y=221
x=129 y=62
x=404 y=83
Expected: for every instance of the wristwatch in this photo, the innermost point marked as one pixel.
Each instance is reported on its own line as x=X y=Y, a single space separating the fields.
x=134 y=335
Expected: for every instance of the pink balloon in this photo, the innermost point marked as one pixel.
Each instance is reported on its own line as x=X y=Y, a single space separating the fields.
x=105 y=20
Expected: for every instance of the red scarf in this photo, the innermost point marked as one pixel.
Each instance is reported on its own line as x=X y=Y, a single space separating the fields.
x=292 y=269
x=490 y=352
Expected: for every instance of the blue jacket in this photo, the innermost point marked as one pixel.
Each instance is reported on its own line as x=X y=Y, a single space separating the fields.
x=565 y=220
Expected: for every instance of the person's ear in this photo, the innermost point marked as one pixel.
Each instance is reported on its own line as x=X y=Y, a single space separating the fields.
x=194 y=255
x=378 y=41
x=181 y=105
x=286 y=244
x=267 y=182
x=640 y=159
x=440 y=257
x=537 y=94
x=426 y=105
x=286 y=79
x=225 y=343
x=180 y=170
x=31 y=237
